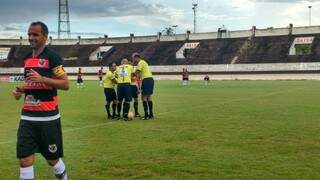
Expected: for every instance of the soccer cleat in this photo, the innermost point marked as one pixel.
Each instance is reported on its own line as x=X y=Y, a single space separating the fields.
x=125 y=117
x=108 y=115
x=137 y=115
x=117 y=117
x=145 y=118
x=151 y=117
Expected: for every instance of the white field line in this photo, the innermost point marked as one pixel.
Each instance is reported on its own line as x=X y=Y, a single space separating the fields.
x=159 y=114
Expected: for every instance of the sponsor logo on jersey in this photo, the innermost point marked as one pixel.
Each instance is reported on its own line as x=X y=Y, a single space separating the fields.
x=31 y=101
x=36 y=85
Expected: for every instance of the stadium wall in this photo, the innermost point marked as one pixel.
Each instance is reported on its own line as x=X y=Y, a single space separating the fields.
x=179 y=37
x=270 y=71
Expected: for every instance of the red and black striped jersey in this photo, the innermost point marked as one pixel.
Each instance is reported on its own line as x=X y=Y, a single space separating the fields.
x=185 y=74
x=100 y=73
x=79 y=75
x=41 y=100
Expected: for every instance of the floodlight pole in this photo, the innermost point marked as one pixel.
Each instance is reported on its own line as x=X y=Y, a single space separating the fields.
x=309 y=15
x=175 y=29
x=63 y=19
x=194 y=8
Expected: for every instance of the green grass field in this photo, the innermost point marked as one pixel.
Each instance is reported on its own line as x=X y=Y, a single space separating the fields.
x=228 y=130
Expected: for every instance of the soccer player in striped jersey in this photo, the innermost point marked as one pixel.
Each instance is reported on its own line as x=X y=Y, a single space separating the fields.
x=40 y=127
x=185 y=76
x=100 y=76
x=79 y=78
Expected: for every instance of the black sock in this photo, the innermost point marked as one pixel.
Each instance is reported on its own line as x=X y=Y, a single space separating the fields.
x=150 y=104
x=135 y=105
x=108 y=109
x=145 y=107
x=114 y=108
x=119 y=107
x=126 y=107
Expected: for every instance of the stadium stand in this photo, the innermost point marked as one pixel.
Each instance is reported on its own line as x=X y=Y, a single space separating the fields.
x=218 y=51
x=263 y=46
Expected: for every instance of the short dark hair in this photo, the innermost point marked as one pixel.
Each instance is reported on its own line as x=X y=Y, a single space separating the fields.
x=110 y=64
x=44 y=27
x=136 y=55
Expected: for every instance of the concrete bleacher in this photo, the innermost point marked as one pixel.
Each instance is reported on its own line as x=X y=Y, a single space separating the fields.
x=267 y=49
x=162 y=53
x=78 y=55
x=217 y=51
x=247 y=51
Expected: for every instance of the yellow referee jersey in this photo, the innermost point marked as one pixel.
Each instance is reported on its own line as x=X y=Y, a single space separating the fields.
x=144 y=68
x=124 y=73
x=107 y=82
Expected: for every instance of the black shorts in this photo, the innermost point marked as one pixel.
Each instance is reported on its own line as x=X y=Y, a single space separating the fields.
x=100 y=78
x=124 y=92
x=134 y=91
x=185 y=79
x=110 y=94
x=79 y=81
x=147 y=86
x=43 y=137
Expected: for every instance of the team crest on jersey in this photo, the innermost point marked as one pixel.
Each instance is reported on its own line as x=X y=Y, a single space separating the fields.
x=42 y=62
x=53 y=148
x=31 y=101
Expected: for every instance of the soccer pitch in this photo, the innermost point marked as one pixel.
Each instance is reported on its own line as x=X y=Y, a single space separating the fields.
x=226 y=130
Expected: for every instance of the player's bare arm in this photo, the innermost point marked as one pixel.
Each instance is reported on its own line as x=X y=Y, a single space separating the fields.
x=17 y=92
x=138 y=74
x=60 y=82
x=114 y=81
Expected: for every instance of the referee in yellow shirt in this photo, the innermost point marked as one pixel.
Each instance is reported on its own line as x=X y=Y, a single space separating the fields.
x=143 y=72
x=124 y=74
x=109 y=92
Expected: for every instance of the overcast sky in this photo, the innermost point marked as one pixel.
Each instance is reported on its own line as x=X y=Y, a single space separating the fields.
x=94 y=18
